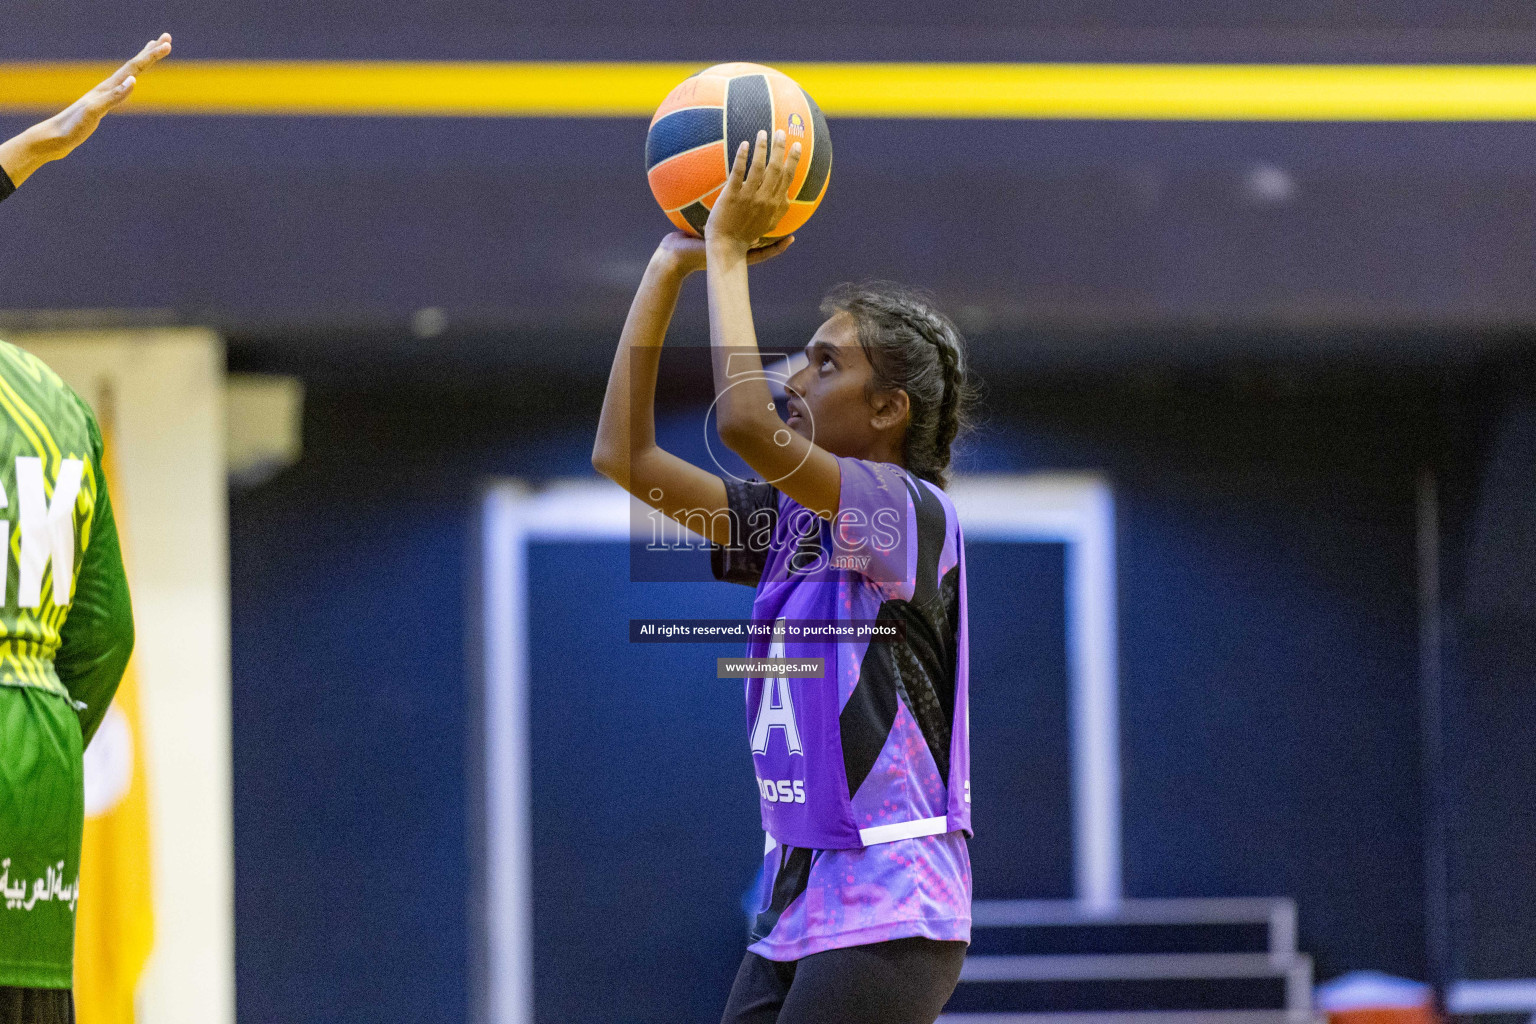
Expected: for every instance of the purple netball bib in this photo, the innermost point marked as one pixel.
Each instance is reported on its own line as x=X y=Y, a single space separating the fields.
x=875 y=749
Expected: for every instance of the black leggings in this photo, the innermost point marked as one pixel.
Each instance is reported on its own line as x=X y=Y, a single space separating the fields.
x=904 y=981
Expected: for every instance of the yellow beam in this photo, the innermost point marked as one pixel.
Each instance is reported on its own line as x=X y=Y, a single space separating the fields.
x=1180 y=92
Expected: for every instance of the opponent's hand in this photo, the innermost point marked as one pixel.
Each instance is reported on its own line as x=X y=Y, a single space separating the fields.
x=74 y=124
x=58 y=136
x=684 y=254
x=754 y=200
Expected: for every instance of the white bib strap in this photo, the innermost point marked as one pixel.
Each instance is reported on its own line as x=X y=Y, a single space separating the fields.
x=878 y=834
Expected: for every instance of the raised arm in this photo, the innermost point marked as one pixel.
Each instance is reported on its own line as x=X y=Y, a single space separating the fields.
x=58 y=136
x=750 y=204
x=625 y=450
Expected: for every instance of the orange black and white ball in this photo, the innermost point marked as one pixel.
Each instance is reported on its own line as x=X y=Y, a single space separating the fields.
x=698 y=127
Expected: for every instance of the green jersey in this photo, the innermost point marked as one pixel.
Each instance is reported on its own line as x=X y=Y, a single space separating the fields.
x=66 y=630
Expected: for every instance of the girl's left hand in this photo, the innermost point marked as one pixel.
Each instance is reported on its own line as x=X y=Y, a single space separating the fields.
x=754 y=200
x=687 y=254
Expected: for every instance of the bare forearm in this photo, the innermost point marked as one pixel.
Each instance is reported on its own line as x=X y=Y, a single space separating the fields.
x=750 y=204
x=745 y=405
x=23 y=154
x=626 y=450
x=748 y=421
x=628 y=423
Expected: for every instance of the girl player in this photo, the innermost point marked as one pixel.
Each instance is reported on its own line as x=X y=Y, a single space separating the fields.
x=864 y=907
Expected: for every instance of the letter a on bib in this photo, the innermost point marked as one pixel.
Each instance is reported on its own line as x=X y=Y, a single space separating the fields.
x=773 y=715
x=776 y=714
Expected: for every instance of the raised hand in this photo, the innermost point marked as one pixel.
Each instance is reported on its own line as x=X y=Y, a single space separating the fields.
x=58 y=136
x=686 y=253
x=754 y=200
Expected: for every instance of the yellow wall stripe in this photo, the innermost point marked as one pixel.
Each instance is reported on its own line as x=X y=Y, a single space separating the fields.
x=1199 y=92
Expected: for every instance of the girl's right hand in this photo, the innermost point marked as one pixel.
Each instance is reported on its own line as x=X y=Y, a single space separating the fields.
x=685 y=253
x=754 y=198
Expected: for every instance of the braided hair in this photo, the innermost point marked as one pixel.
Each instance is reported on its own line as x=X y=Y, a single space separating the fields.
x=914 y=348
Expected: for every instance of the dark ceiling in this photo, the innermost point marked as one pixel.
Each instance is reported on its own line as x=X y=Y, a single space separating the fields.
x=1050 y=241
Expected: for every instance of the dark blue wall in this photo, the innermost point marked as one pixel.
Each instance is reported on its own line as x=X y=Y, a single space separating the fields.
x=1021 y=771
x=1268 y=636
x=645 y=837
x=1270 y=680
x=1489 y=559
x=349 y=723
x=1268 y=666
